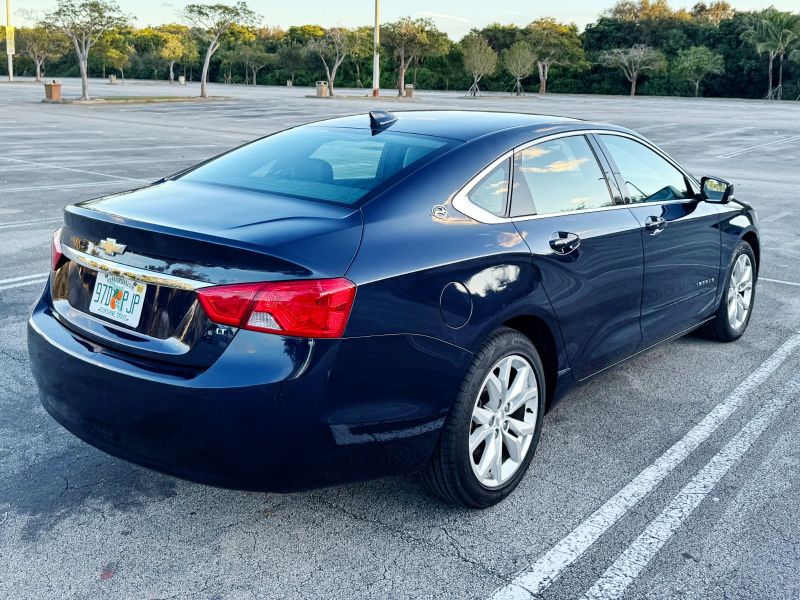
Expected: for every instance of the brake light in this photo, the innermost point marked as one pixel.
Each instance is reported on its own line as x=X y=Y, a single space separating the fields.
x=56 y=256
x=315 y=308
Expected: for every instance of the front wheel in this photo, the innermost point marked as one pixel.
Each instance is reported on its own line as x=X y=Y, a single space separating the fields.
x=736 y=306
x=489 y=438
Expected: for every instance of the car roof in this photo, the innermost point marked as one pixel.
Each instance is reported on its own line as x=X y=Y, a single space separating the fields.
x=463 y=125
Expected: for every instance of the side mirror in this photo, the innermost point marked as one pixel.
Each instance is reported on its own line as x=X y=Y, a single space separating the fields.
x=716 y=190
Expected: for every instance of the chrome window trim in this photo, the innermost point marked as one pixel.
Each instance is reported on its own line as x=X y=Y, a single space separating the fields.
x=462 y=203
x=143 y=275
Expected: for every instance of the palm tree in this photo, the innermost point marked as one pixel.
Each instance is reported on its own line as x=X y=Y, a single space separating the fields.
x=773 y=33
x=788 y=27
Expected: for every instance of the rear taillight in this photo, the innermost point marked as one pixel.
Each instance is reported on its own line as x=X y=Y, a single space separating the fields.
x=317 y=308
x=56 y=256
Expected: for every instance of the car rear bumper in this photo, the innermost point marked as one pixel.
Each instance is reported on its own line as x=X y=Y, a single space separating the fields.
x=272 y=413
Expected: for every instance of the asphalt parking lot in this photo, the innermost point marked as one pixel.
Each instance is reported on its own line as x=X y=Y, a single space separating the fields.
x=676 y=474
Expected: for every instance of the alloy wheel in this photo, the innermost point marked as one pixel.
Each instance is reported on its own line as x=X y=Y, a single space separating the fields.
x=503 y=421
x=740 y=291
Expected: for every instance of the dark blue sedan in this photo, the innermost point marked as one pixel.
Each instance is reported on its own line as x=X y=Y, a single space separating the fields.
x=380 y=294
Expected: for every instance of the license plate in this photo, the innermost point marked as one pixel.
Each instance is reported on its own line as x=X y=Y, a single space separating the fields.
x=118 y=298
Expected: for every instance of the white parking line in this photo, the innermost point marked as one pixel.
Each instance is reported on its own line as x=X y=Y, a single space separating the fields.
x=616 y=579
x=68 y=140
x=552 y=563
x=21 y=284
x=776 y=217
x=775 y=143
x=12 y=224
x=66 y=186
x=23 y=278
x=49 y=166
x=83 y=151
x=779 y=281
x=663 y=125
x=705 y=136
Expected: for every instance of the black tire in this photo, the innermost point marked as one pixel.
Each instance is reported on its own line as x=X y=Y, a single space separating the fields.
x=720 y=328
x=449 y=474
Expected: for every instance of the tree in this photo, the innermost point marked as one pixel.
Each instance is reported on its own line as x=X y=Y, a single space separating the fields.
x=695 y=63
x=41 y=44
x=212 y=21
x=554 y=43
x=84 y=22
x=519 y=60
x=640 y=10
x=292 y=56
x=172 y=51
x=479 y=59
x=714 y=13
x=411 y=40
x=332 y=49
x=360 y=49
x=634 y=61
x=773 y=32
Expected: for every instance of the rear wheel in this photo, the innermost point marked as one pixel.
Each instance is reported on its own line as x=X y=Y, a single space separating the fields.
x=493 y=429
x=733 y=314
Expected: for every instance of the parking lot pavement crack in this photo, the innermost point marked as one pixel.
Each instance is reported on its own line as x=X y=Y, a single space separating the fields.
x=405 y=535
x=16 y=358
x=462 y=555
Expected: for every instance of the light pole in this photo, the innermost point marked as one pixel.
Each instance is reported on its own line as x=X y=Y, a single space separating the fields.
x=9 y=42
x=376 y=51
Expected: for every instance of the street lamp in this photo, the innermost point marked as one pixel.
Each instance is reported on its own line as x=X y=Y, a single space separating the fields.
x=376 y=52
x=9 y=41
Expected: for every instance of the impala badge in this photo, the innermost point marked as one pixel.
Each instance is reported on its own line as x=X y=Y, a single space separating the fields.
x=111 y=247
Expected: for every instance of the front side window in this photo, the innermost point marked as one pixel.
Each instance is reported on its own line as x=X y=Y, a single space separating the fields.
x=648 y=176
x=321 y=163
x=491 y=193
x=558 y=176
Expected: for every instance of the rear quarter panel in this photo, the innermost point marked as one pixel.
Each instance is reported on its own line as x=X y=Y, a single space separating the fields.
x=408 y=257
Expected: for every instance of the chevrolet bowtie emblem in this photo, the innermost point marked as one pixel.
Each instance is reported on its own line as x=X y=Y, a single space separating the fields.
x=111 y=247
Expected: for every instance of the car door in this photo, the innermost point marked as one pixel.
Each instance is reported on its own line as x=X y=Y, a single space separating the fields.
x=680 y=235
x=585 y=245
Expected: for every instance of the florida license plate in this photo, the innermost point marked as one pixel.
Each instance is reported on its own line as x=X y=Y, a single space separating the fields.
x=118 y=298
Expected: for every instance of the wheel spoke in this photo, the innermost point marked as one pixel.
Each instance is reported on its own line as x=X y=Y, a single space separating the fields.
x=481 y=416
x=519 y=387
x=746 y=276
x=494 y=387
x=520 y=399
x=505 y=375
x=736 y=274
x=521 y=428
x=732 y=308
x=487 y=460
x=497 y=463
x=514 y=446
x=477 y=437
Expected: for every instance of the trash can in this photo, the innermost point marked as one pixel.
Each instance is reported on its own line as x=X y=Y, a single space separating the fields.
x=52 y=91
x=409 y=90
x=322 y=89
x=112 y=79
x=181 y=79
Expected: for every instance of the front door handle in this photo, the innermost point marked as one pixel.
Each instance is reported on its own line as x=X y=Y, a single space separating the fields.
x=563 y=242
x=655 y=224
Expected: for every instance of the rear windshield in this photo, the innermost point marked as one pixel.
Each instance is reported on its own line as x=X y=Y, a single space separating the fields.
x=328 y=164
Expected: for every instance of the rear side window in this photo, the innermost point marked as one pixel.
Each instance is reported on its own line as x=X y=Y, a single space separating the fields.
x=648 y=176
x=333 y=165
x=491 y=193
x=558 y=176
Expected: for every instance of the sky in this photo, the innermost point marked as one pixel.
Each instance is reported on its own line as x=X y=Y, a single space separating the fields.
x=456 y=17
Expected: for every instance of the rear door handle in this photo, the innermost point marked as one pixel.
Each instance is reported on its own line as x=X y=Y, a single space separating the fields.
x=563 y=242
x=655 y=224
